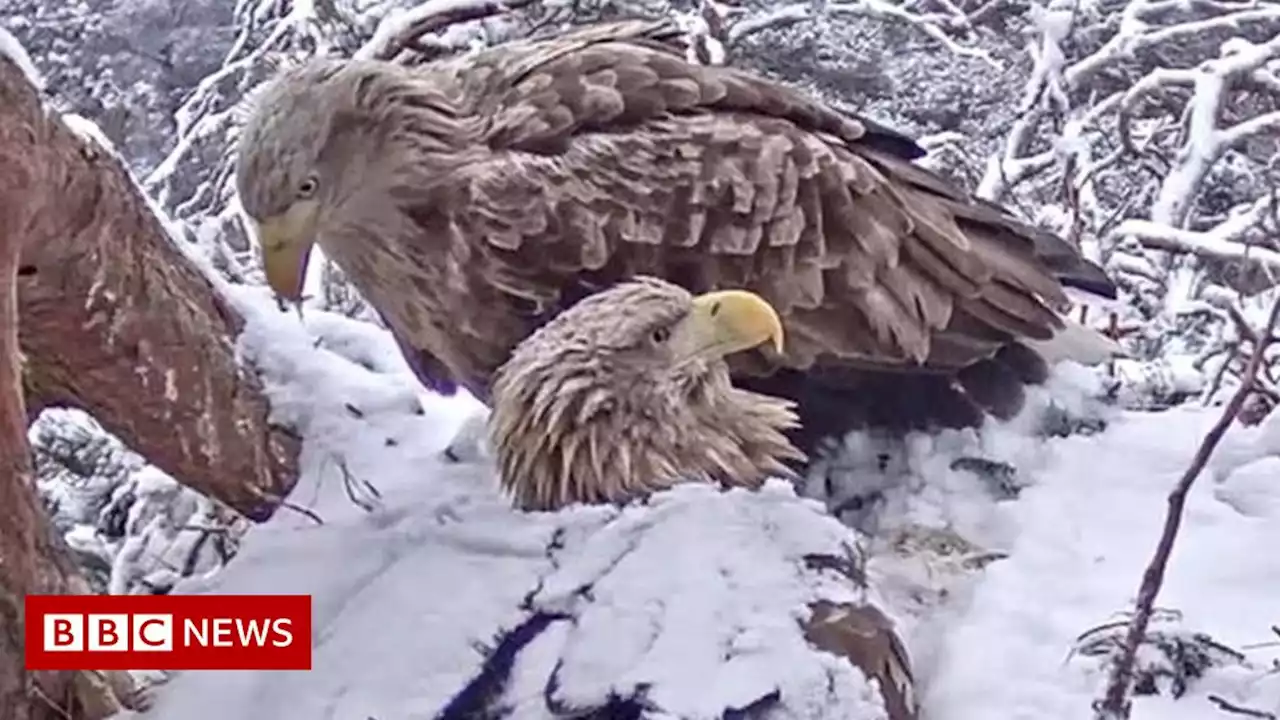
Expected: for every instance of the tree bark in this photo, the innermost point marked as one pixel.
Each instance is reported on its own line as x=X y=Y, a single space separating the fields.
x=119 y=322
x=115 y=320
x=28 y=563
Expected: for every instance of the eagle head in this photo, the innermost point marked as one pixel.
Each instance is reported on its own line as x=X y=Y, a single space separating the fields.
x=318 y=157
x=627 y=392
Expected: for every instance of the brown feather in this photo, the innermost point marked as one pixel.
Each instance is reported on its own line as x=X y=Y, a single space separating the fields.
x=865 y=636
x=506 y=184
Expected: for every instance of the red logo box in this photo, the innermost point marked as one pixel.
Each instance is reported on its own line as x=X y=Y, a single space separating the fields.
x=168 y=632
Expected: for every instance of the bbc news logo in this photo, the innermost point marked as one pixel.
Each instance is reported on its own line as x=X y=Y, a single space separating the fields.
x=168 y=632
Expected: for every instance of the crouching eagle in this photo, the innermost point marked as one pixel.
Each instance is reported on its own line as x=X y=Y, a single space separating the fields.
x=471 y=200
x=689 y=603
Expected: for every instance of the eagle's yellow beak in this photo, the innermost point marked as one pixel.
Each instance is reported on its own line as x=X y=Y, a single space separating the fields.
x=729 y=321
x=286 y=241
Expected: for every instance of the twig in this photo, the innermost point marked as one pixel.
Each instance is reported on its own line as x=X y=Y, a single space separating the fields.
x=1115 y=703
x=1216 y=383
x=350 y=482
x=43 y=697
x=281 y=502
x=1226 y=706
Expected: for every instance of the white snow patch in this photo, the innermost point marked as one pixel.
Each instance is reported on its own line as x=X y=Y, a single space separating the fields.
x=88 y=131
x=705 y=620
x=12 y=49
x=696 y=593
x=1084 y=533
x=403 y=595
x=399 y=21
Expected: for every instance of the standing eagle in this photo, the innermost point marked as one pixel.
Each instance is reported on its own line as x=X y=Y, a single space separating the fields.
x=473 y=199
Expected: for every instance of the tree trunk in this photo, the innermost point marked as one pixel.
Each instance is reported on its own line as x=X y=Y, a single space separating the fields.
x=28 y=563
x=119 y=322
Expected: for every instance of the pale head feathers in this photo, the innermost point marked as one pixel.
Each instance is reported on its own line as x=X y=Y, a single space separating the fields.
x=331 y=152
x=627 y=393
x=288 y=122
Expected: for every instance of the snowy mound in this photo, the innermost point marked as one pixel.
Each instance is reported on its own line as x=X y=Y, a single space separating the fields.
x=687 y=607
x=441 y=601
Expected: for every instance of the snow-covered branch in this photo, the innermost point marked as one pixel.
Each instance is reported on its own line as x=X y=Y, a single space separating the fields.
x=1058 y=86
x=13 y=50
x=404 y=29
x=1144 y=134
x=1205 y=140
x=194 y=177
x=937 y=26
x=1227 y=240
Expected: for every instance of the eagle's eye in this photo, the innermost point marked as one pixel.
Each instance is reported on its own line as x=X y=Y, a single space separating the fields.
x=660 y=334
x=308 y=187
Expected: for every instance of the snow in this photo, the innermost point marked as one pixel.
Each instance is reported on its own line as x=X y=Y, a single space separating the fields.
x=88 y=131
x=444 y=532
x=707 y=621
x=1085 y=532
x=12 y=49
x=399 y=22
x=695 y=595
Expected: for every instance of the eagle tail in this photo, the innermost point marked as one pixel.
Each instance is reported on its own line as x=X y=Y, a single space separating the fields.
x=832 y=403
x=1079 y=343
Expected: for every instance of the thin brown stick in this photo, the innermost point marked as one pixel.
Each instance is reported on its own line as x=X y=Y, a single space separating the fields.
x=279 y=501
x=43 y=697
x=1115 y=703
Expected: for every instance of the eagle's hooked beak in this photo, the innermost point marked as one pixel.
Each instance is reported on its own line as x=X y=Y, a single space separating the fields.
x=729 y=321
x=286 y=241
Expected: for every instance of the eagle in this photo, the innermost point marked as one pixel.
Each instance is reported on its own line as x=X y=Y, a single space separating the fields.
x=628 y=393
x=473 y=199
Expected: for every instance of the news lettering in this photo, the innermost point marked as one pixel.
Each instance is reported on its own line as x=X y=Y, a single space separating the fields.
x=281 y=625
x=225 y=632
x=101 y=632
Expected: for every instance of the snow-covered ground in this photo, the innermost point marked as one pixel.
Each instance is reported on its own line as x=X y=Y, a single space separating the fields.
x=409 y=597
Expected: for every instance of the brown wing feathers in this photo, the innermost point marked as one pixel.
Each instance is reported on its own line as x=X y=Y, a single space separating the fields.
x=613 y=156
x=875 y=220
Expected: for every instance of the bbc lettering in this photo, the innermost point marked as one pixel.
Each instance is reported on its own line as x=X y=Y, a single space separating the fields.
x=108 y=633
x=196 y=632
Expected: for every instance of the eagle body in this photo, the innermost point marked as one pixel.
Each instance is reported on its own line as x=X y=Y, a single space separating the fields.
x=474 y=199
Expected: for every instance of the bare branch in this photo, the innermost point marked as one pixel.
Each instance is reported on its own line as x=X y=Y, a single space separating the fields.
x=1115 y=704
